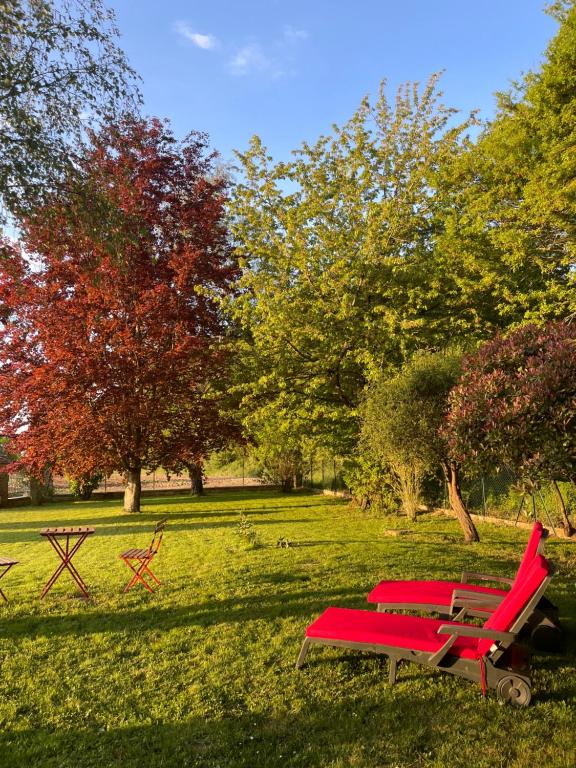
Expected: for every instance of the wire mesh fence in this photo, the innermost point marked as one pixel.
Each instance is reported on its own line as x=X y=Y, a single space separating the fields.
x=500 y=494
x=504 y=495
x=486 y=494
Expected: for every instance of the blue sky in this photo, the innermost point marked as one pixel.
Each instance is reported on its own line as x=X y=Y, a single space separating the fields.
x=288 y=70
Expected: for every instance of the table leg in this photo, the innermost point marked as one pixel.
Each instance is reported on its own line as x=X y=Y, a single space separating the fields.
x=2 y=574
x=66 y=555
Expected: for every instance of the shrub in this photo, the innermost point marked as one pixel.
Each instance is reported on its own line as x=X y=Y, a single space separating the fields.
x=82 y=487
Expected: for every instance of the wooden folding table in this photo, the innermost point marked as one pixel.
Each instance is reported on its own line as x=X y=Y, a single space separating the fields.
x=5 y=564
x=61 y=538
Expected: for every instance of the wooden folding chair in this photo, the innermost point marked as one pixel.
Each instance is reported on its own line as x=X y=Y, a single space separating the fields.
x=138 y=560
x=5 y=564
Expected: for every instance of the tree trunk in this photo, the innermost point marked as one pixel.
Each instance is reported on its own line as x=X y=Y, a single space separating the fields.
x=457 y=503
x=133 y=490
x=36 y=497
x=566 y=524
x=3 y=489
x=196 y=479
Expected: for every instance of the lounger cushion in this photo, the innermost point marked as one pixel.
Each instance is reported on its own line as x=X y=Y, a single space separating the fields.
x=531 y=551
x=372 y=628
x=419 y=592
x=516 y=600
x=424 y=592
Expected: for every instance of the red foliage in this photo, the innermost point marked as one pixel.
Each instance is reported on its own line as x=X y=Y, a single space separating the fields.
x=515 y=404
x=111 y=330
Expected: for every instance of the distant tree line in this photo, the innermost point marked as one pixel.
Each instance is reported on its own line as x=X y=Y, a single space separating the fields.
x=362 y=299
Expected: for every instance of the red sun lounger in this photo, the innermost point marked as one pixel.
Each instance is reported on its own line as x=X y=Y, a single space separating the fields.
x=458 y=599
x=484 y=654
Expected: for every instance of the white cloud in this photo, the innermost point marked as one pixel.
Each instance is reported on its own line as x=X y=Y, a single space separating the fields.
x=271 y=61
x=206 y=42
x=293 y=35
x=251 y=59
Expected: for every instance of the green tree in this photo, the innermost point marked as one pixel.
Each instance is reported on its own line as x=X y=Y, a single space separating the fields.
x=60 y=66
x=277 y=435
x=341 y=278
x=82 y=487
x=402 y=427
x=514 y=214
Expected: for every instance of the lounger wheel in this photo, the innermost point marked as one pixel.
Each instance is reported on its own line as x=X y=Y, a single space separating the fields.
x=513 y=690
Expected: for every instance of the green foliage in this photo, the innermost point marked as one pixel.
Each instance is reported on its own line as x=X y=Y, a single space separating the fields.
x=370 y=482
x=234 y=461
x=245 y=529
x=83 y=486
x=340 y=272
x=60 y=69
x=515 y=214
x=402 y=417
x=278 y=445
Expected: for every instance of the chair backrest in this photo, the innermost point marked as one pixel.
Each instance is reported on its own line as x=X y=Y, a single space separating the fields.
x=157 y=537
x=517 y=606
x=534 y=547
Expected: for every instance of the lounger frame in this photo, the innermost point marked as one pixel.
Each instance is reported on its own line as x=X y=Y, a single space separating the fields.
x=492 y=670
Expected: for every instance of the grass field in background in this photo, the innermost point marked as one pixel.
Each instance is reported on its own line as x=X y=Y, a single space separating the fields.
x=201 y=673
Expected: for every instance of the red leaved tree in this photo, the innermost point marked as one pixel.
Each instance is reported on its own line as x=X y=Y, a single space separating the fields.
x=113 y=325
x=515 y=406
x=203 y=427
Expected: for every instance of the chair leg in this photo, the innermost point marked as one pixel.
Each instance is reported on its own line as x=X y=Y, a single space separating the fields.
x=138 y=575
x=303 y=652
x=149 y=572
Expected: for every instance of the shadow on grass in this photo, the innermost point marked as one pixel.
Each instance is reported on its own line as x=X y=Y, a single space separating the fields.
x=206 y=614
x=233 y=497
x=140 y=528
x=231 y=739
x=56 y=516
x=413 y=726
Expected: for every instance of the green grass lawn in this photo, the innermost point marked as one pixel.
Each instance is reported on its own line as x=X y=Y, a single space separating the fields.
x=201 y=673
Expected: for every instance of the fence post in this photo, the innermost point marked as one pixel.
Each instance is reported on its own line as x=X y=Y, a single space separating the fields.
x=483 y=497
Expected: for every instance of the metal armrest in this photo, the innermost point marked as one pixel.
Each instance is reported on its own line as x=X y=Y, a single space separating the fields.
x=465 y=595
x=479 y=632
x=463 y=631
x=474 y=601
x=467 y=575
